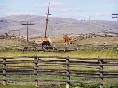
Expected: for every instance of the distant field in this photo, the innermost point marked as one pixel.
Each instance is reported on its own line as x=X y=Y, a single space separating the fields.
x=59 y=42
x=100 y=41
x=95 y=40
x=86 y=42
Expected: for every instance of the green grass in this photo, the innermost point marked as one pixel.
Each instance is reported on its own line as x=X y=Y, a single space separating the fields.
x=59 y=86
x=17 y=86
x=80 y=53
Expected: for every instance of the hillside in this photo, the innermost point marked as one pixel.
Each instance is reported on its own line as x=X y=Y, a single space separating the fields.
x=56 y=25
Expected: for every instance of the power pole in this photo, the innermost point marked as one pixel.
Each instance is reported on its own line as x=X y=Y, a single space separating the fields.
x=47 y=19
x=27 y=23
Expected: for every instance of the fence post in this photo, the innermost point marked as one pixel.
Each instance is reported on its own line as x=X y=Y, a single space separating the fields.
x=36 y=70
x=65 y=46
x=67 y=72
x=100 y=61
x=4 y=72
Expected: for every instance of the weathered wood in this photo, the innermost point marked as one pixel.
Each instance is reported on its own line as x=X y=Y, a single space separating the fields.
x=36 y=69
x=64 y=67
x=60 y=57
x=4 y=72
x=100 y=72
x=67 y=72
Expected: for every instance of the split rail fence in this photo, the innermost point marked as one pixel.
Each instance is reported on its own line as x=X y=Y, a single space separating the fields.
x=68 y=69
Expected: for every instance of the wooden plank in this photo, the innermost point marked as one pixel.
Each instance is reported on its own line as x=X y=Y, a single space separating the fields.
x=47 y=79
x=59 y=57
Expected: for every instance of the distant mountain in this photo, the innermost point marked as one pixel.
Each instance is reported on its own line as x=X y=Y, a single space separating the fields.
x=56 y=25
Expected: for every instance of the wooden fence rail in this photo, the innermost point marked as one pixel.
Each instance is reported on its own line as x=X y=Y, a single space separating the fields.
x=68 y=69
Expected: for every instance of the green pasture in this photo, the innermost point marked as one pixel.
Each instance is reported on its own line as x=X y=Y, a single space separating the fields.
x=17 y=86
x=79 y=53
x=59 y=86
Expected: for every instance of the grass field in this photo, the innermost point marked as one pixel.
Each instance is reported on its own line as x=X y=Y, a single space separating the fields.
x=80 y=53
x=59 y=86
x=17 y=86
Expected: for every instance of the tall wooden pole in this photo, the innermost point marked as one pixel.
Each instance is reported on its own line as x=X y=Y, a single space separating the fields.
x=47 y=19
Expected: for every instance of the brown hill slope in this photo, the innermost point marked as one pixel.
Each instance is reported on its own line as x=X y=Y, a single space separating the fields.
x=56 y=25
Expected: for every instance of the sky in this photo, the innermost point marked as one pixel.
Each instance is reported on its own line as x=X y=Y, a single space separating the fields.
x=77 y=9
